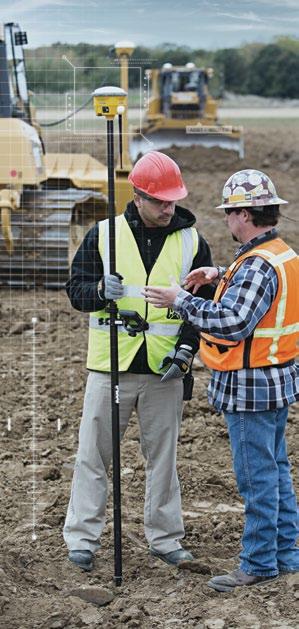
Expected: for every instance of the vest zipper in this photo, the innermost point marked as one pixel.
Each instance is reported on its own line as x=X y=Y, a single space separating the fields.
x=149 y=260
x=150 y=267
x=247 y=350
x=145 y=364
x=149 y=256
x=146 y=303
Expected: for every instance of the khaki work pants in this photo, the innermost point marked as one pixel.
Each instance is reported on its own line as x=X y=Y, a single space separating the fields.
x=159 y=409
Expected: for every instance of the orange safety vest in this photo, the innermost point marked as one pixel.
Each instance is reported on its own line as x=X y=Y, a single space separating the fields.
x=274 y=341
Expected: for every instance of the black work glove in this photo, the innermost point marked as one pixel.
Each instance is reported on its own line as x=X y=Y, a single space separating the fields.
x=110 y=287
x=176 y=363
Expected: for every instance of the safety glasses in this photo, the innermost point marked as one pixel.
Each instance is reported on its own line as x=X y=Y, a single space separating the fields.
x=229 y=210
x=154 y=201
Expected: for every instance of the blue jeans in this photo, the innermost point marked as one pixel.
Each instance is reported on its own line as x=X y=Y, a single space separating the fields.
x=264 y=480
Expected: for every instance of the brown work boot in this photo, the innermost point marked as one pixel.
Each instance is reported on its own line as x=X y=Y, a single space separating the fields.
x=236 y=578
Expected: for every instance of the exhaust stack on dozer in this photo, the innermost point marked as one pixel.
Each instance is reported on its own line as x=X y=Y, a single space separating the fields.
x=182 y=112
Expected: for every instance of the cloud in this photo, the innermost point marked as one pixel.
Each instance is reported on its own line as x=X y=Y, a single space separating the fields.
x=290 y=19
x=259 y=29
x=283 y=5
x=226 y=28
x=230 y=20
x=25 y=6
x=250 y=16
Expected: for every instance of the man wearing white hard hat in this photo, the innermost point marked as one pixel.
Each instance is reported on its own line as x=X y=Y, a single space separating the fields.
x=249 y=339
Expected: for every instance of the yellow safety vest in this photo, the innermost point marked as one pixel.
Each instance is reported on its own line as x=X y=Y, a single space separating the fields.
x=174 y=262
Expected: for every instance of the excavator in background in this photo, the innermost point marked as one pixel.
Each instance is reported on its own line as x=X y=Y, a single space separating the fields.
x=182 y=112
x=47 y=201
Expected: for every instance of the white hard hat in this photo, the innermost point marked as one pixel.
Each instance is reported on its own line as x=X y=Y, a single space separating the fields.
x=249 y=188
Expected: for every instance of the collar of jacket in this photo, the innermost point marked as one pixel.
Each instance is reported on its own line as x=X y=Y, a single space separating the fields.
x=258 y=240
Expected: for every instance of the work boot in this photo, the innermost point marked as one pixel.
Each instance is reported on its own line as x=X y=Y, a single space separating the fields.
x=174 y=557
x=82 y=558
x=237 y=578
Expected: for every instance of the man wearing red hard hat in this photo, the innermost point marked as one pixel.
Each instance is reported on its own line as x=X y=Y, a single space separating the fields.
x=156 y=241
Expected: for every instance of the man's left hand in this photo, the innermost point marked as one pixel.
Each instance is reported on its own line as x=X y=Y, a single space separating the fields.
x=161 y=297
x=177 y=363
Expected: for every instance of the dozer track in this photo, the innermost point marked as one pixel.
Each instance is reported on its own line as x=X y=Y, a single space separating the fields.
x=47 y=230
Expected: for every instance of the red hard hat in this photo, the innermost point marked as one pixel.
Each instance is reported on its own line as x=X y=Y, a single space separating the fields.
x=159 y=176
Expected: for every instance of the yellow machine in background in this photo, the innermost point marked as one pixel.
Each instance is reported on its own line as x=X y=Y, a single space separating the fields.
x=182 y=112
x=47 y=202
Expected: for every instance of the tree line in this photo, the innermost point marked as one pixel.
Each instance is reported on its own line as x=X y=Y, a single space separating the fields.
x=266 y=70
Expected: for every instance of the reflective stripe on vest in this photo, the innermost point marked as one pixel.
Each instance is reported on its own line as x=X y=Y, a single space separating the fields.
x=278 y=261
x=175 y=259
x=154 y=328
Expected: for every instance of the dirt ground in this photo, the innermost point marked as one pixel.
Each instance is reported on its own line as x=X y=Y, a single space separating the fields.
x=42 y=379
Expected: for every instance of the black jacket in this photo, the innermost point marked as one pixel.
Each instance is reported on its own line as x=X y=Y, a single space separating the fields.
x=87 y=270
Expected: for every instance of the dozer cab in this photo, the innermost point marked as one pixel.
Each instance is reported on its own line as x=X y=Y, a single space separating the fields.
x=47 y=202
x=182 y=112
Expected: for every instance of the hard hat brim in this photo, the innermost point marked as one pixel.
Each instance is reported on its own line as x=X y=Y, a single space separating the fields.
x=174 y=194
x=258 y=204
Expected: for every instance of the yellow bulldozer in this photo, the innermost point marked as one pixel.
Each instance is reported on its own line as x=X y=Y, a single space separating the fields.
x=182 y=112
x=47 y=201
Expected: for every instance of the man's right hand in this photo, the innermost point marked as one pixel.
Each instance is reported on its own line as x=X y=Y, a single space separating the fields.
x=110 y=287
x=200 y=277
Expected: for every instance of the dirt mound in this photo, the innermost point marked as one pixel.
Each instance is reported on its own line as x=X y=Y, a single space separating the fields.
x=42 y=384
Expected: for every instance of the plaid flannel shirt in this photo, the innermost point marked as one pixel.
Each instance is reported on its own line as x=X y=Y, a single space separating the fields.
x=244 y=303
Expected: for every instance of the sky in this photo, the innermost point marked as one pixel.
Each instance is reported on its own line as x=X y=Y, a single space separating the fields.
x=204 y=24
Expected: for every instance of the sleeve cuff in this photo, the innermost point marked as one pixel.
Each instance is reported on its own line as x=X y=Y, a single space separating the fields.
x=180 y=298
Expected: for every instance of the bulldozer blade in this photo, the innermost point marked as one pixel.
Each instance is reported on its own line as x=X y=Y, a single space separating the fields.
x=141 y=144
